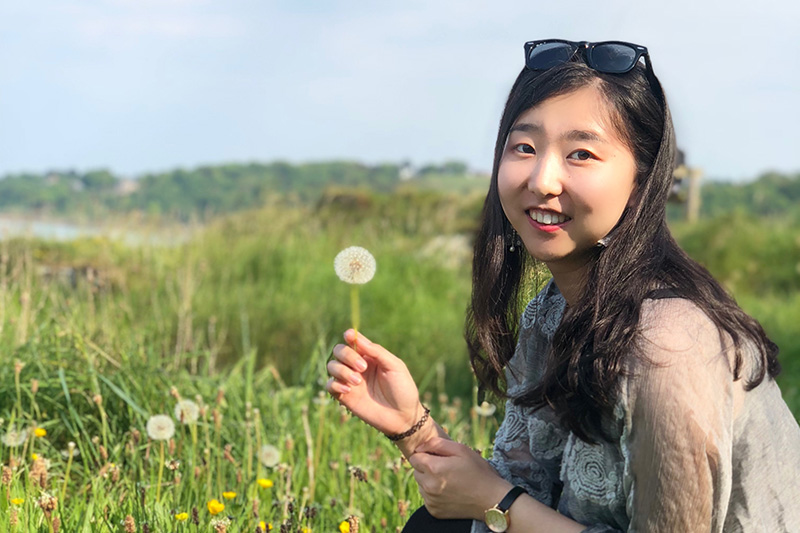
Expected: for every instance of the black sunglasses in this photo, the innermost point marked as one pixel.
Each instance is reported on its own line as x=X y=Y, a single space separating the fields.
x=611 y=57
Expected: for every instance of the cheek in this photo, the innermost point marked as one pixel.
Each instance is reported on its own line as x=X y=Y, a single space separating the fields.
x=505 y=190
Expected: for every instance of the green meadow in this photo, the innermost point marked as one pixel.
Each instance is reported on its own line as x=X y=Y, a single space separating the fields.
x=98 y=336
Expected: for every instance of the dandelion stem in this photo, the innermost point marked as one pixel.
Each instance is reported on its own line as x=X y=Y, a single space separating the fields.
x=355 y=311
x=309 y=451
x=71 y=453
x=257 y=417
x=160 y=471
x=318 y=445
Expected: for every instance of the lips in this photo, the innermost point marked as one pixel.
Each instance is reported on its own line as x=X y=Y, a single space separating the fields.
x=547 y=217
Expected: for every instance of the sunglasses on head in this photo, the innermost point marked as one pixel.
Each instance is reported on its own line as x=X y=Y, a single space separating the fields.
x=611 y=57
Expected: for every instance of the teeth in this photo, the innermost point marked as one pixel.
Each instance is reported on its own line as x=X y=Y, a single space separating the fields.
x=547 y=218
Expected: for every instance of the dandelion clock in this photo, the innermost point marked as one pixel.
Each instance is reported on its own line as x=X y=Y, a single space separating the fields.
x=355 y=266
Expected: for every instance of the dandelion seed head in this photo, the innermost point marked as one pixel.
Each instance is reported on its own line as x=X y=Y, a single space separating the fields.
x=160 y=427
x=15 y=437
x=354 y=265
x=269 y=455
x=485 y=409
x=187 y=412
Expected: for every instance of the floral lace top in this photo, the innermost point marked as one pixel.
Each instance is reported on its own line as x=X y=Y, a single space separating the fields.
x=693 y=451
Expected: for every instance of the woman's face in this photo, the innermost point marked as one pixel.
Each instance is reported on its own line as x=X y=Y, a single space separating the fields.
x=565 y=177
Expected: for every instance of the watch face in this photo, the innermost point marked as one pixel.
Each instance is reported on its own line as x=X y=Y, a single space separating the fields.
x=496 y=520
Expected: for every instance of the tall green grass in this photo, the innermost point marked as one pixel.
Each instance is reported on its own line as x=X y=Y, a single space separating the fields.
x=242 y=318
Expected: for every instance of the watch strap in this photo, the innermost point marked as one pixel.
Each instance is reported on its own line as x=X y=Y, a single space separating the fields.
x=509 y=498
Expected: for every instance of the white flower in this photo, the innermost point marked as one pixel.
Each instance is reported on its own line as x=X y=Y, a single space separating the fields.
x=354 y=265
x=160 y=427
x=269 y=455
x=75 y=452
x=15 y=437
x=187 y=412
x=485 y=409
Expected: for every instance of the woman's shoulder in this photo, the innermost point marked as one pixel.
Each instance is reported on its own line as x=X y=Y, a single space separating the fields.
x=679 y=347
x=674 y=327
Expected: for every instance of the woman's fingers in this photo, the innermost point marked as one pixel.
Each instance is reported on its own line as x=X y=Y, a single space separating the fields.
x=366 y=347
x=440 y=446
x=348 y=356
x=336 y=388
x=343 y=373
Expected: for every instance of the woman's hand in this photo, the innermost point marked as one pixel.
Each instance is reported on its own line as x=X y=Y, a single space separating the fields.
x=374 y=385
x=455 y=481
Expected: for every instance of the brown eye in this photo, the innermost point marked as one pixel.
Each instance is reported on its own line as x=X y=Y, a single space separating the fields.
x=581 y=155
x=525 y=148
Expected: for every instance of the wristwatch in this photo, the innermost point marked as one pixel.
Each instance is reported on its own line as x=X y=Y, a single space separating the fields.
x=496 y=518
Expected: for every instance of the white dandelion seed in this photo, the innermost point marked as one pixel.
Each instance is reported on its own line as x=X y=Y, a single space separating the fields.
x=485 y=409
x=160 y=427
x=269 y=455
x=15 y=437
x=187 y=412
x=354 y=265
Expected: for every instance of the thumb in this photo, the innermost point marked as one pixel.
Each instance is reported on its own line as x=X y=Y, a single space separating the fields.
x=440 y=446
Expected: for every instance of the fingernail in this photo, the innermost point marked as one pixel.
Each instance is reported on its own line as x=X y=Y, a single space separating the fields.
x=361 y=364
x=355 y=379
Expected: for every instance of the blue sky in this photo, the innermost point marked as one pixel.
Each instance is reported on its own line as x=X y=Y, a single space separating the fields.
x=147 y=85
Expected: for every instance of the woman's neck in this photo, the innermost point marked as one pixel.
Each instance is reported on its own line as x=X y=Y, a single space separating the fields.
x=570 y=282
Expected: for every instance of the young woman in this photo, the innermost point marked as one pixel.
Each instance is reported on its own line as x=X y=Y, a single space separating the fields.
x=640 y=396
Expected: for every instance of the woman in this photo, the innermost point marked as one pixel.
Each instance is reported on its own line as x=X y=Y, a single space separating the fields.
x=641 y=397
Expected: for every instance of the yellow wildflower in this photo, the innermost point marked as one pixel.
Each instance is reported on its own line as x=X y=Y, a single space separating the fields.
x=17 y=501
x=306 y=530
x=229 y=495
x=344 y=527
x=180 y=517
x=40 y=432
x=265 y=483
x=215 y=507
x=34 y=456
x=265 y=526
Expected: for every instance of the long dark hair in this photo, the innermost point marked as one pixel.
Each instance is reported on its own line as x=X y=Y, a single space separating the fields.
x=599 y=331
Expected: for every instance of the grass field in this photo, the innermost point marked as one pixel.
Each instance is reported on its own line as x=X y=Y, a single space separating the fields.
x=99 y=337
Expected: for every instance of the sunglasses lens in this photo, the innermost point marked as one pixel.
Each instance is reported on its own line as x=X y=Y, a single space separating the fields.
x=613 y=58
x=548 y=55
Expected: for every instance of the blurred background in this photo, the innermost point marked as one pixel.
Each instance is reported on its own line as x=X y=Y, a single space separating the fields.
x=177 y=175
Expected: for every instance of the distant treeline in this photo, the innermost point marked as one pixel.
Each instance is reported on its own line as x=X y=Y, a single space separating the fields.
x=211 y=190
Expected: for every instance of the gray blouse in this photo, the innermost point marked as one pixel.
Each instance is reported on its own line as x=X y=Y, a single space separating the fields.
x=692 y=450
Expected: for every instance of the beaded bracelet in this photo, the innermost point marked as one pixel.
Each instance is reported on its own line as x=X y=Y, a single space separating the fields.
x=416 y=427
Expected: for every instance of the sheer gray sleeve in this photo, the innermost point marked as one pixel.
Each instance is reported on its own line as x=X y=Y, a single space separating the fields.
x=678 y=436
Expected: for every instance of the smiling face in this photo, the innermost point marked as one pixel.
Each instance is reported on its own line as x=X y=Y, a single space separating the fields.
x=565 y=177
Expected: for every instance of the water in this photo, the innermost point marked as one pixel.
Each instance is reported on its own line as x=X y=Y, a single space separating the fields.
x=64 y=231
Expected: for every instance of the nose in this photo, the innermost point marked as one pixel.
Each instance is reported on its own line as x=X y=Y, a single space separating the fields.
x=546 y=177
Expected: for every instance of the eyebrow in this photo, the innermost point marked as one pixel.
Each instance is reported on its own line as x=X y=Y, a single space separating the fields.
x=572 y=135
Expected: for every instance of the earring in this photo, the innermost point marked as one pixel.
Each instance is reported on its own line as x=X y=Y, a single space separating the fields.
x=514 y=239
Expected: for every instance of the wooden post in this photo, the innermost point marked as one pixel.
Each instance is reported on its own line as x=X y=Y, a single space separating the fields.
x=693 y=200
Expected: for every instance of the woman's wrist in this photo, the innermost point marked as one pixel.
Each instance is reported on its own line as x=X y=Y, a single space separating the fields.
x=394 y=437
x=427 y=430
